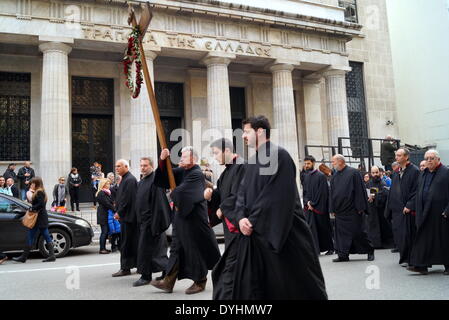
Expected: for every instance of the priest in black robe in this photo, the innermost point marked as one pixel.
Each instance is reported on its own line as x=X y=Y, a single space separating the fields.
x=431 y=244
x=348 y=203
x=316 y=206
x=378 y=228
x=126 y=214
x=401 y=205
x=276 y=256
x=194 y=248
x=154 y=218
x=221 y=202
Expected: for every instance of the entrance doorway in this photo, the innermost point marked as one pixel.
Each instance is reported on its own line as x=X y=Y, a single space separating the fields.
x=92 y=129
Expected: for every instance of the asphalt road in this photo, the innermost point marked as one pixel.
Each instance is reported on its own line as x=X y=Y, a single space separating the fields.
x=84 y=274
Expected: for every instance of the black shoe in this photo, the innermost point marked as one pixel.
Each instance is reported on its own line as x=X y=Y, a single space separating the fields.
x=23 y=257
x=330 y=253
x=395 y=250
x=371 y=256
x=421 y=270
x=51 y=253
x=121 y=273
x=341 y=259
x=141 y=282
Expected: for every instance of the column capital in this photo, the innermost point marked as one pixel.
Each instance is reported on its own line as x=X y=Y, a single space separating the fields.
x=218 y=58
x=55 y=46
x=281 y=67
x=152 y=54
x=336 y=71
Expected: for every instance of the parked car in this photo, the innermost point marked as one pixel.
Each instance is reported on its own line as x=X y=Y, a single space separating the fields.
x=67 y=231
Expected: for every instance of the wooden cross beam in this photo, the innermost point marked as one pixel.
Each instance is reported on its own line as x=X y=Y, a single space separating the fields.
x=143 y=24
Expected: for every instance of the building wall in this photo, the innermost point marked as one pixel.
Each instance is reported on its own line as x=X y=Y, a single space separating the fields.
x=374 y=51
x=421 y=67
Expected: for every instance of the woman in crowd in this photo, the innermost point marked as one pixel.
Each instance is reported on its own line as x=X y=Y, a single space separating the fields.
x=75 y=182
x=60 y=193
x=105 y=203
x=38 y=205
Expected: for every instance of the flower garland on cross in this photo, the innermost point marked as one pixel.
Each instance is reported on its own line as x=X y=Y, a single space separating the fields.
x=133 y=56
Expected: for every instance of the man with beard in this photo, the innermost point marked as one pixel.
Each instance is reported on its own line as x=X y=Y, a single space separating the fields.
x=153 y=217
x=377 y=226
x=348 y=202
x=431 y=244
x=316 y=206
x=276 y=255
x=194 y=249
x=221 y=205
x=125 y=204
x=401 y=203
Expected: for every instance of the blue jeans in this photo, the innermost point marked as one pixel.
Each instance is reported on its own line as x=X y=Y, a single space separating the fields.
x=33 y=232
x=23 y=194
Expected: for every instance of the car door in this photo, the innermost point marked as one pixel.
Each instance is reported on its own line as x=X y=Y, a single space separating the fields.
x=13 y=234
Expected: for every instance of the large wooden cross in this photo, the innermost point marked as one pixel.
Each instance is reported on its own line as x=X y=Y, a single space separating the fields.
x=143 y=24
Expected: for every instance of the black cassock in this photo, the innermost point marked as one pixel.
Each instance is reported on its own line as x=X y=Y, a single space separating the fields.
x=224 y=198
x=129 y=236
x=194 y=247
x=278 y=260
x=316 y=190
x=378 y=228
x=154 y=217
x=431 y=245
x=348 y=197
x=402 y=194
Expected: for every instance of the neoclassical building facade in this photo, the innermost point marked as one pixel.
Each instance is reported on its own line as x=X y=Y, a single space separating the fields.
x=318 y=70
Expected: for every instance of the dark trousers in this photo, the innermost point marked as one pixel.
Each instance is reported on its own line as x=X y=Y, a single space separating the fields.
x=94 y=192
x=115 y=241
x=33 y=232
x=129 y=239
x=74 y=198
x=103 y=236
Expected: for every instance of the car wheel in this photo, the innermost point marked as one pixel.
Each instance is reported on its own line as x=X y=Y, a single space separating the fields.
x=61 y=241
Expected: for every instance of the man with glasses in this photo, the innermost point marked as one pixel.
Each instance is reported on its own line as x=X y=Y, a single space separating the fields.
x=431 y=246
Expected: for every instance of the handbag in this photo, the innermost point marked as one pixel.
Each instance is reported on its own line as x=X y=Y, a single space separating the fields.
x=29 y=219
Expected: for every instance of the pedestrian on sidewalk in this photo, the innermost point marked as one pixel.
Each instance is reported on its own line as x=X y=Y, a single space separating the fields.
x=25 y=174
x=60 y=193
x=74 y=182
x=38 y=204
x=104 y=205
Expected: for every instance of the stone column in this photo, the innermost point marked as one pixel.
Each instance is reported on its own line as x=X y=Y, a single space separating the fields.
x=337 y=106
x=143 y=126
x=218 y=101
x=284 y=111
x=55 y=135
x=313 y=119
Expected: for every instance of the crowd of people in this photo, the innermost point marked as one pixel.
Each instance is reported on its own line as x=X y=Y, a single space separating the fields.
x=272 y=238
x=405 y=209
